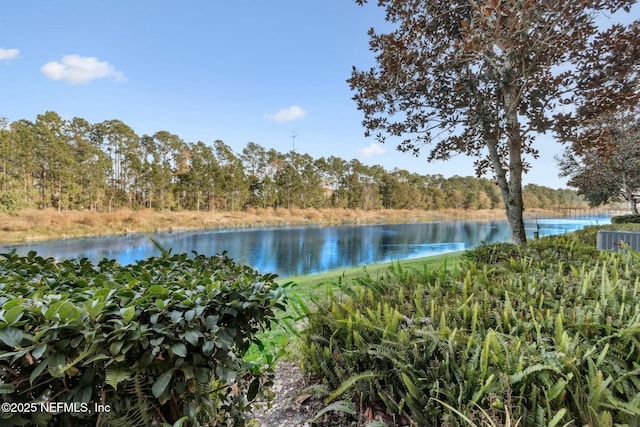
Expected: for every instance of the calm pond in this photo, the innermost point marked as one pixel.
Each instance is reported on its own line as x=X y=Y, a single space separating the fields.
x=303 y=250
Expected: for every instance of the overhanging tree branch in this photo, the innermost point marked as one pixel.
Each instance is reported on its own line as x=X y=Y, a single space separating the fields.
x=490 y=72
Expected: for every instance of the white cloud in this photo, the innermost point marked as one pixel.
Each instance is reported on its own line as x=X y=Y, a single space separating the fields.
x=372 y=150
x=80 y=69
x=6 y=54
x=288 y=114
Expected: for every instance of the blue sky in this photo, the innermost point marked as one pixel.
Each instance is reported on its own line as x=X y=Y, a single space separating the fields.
x=238 y=71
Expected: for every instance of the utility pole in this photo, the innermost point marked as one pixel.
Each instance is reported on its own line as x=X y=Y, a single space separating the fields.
x=293 y=139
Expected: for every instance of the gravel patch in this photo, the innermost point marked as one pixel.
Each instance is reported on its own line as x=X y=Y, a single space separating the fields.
x=288 y=408
x=291 y=407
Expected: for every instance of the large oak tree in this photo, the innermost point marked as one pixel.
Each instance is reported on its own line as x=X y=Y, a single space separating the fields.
x=483 y=77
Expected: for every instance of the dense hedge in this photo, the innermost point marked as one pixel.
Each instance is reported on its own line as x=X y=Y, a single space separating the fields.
x=160 y=341
x=626 y=219
x=546 y=334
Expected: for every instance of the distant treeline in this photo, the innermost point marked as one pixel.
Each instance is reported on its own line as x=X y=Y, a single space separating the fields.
x=73 y=164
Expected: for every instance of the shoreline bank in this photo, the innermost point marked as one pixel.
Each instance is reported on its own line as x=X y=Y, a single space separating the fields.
x=40 y=225
x=317 y=278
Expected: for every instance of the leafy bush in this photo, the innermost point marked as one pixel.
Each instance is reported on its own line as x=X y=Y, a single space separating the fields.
x=160 y=341
x=562 y=248
x=543 y=334
x=626 y=219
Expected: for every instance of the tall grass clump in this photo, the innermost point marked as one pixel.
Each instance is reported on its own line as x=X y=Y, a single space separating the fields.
x=543 y=334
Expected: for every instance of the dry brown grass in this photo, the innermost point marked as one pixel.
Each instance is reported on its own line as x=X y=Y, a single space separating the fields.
x=33 y=225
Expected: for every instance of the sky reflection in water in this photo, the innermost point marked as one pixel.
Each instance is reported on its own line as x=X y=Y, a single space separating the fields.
x=302 y=250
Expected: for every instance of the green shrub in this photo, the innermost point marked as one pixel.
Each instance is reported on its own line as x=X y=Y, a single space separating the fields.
x=496 y=252
x=542 y=334
x=626 y=219
x=160 y=341
x=567 y=248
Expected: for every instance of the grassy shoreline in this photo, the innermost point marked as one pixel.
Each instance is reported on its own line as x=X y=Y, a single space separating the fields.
x=315 y=279
x=33 y=225
x=37 y=225
x=279 y=340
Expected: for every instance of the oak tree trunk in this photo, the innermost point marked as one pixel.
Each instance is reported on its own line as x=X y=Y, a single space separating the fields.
x=511 y=186
x=514 y=203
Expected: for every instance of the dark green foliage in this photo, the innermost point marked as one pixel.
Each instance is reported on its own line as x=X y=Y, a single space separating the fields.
x=546 y=333
x=158 y=341
x=626 y=219
x=563 y=248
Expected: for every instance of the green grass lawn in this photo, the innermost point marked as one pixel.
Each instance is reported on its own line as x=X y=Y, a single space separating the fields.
x=279 y=340
x=307 y=285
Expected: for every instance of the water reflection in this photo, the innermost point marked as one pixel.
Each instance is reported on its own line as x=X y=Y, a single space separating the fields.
x=294 y=251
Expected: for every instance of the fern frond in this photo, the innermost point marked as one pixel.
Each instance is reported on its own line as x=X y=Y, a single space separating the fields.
x=343 y=406
x=136 y=409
